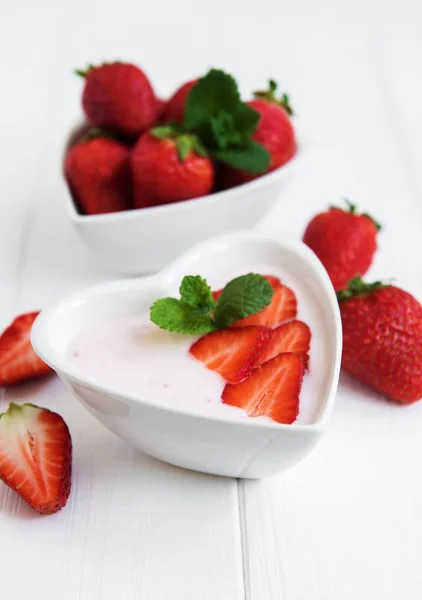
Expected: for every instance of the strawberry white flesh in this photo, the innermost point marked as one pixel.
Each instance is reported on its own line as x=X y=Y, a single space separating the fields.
x=36 y=456
x=294 y=336
x=272 y=390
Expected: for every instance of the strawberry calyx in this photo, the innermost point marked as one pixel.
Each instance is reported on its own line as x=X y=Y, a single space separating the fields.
x=352 y=209
x=184 y=141
x=356 y=288
x=270 y=96
x=84 y=72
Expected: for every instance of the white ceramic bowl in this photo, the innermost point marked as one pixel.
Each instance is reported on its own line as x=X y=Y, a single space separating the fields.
x=144 y=240
x=245 y=448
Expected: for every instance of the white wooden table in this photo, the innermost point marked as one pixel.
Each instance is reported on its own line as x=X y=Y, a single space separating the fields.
x=346 y=524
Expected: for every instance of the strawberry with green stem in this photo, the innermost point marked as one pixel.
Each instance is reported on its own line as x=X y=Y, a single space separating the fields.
x=382 y=338
x=119 y=96
x=344 y=240
x=169 y=165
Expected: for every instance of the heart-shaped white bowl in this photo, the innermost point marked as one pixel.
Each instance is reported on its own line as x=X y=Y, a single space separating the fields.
x=247 y=448
x=144 y=240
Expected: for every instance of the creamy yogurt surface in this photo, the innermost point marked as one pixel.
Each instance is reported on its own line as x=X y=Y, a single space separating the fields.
x=129 y=354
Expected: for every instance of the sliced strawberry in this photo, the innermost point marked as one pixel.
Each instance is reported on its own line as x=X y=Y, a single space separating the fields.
x=18 y=361
x=294 y=336
x=233 y=353
x=36 y=456
x=283 y=307
x=272 y=279
x=271 y=390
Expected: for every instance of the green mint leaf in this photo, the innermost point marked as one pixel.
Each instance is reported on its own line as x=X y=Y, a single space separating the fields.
x=215 y=92
x=252 y=157
x=246 y=119
x=224 y=131
x=195 y=291
x=242 y=297
x=179 y=317
x=199 y=147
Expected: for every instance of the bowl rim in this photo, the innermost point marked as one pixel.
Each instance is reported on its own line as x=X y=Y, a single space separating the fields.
x=183 y=205
x=59 y=363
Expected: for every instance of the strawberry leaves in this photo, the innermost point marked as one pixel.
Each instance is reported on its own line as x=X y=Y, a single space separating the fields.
x=185 y=142
x=356 y=287
x=216 y=114
x=196 y=312
x=270 y=96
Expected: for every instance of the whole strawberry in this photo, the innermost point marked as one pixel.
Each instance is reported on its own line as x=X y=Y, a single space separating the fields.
x=275 y=132
x=169 y=168
x=382 y=338
x=98 y=172
x=175 y=107
x=345 y=242
x=119 y=97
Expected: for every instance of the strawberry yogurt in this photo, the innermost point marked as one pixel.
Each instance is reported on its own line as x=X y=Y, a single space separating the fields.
x=132 y=355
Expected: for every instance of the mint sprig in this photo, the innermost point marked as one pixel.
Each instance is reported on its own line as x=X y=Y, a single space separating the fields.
x=215 y=112
x=196 y=312
x=242 y=297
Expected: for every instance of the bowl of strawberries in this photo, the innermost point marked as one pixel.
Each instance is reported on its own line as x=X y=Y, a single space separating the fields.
x=146 y=179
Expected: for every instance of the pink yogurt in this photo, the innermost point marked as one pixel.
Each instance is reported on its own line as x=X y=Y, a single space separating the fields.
x=131 y=355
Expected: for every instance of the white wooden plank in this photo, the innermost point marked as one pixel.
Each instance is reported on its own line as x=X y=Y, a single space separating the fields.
x=133 y=527
x=347 y=522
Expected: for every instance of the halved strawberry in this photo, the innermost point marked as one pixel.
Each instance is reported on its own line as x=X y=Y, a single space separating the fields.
x=294 y=336
x=36 y=456
x=232 y=353
x=18 y=361
x=272 y=279
x=283 y=307
x=271 y=390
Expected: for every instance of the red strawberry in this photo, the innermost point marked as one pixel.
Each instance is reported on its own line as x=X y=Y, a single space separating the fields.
x=36 y=456
x=233 y=353
x=382 y=339
x=18 y=361
x=283 y=308
x=275 y=132
x=272 y=279
x=169 y=169
x=161 y=107
x=175 y=108
x=119 y=96
x=271 y=390
x=98 y=172
x=344 y=241
x=294 y=337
